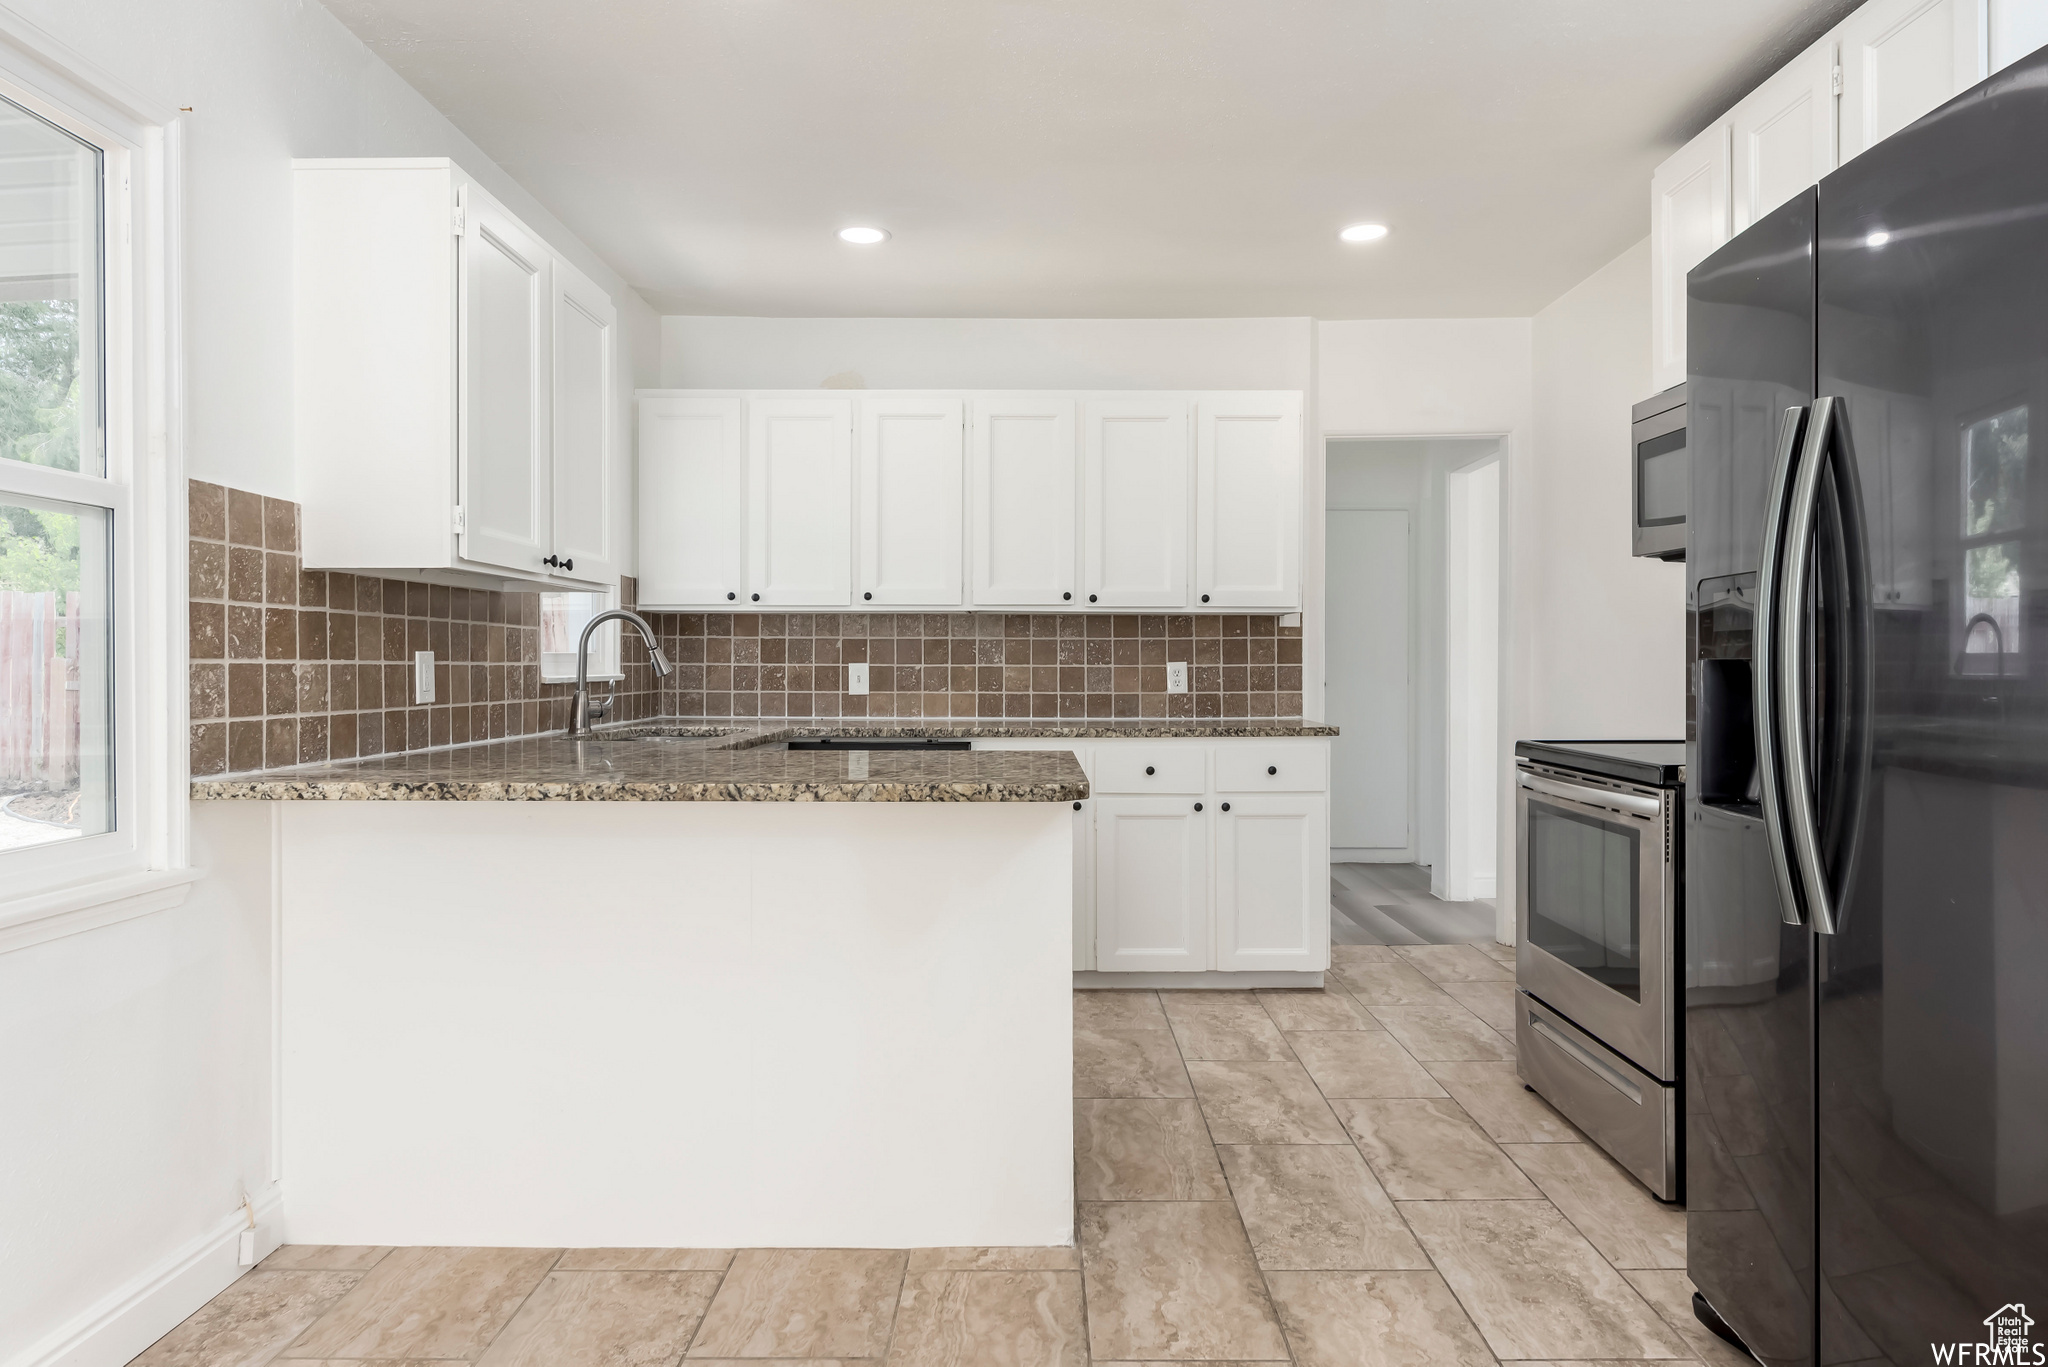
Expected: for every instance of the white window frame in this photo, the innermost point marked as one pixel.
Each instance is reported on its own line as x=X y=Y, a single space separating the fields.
x=604 y=647
x=142 y=864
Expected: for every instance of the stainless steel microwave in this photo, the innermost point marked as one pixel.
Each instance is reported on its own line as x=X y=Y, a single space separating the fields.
x=1663 y=478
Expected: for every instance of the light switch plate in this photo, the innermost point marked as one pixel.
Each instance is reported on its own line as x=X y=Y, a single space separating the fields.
x=857 y=678
x=1176 y=676
x=423 y=676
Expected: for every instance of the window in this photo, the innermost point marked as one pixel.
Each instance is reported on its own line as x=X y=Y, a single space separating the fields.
x=91 y=772
x=1994 y=515
x=562 y=619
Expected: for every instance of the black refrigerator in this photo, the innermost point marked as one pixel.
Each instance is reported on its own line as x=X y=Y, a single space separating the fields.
x=1866 y=997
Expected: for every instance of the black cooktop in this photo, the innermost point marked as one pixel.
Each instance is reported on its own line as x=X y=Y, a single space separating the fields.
x=1657 y=762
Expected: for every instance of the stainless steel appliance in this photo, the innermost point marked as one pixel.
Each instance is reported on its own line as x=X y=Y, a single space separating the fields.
x=1597 y=915
x=1663 y=482
x=1867 y=828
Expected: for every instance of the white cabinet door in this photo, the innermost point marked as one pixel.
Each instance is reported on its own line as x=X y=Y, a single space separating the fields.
x=2018 y=27
x=1248 y=501
x=1901 y=58
x=585 y=369
x=504 y=302
x=693 y=500
x=800 y=502
x=911 y=515
x=1151 y=884
x=1134 y=503
x=1022 y=507
x=1784 y=134
x=1272 y=881
x=1689 y=218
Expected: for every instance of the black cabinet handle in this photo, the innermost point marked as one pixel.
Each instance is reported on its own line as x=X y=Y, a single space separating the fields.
x=730 y=596
x=1272 y=768
x=867 y=595
x=1066 y=597
x=1091 y=597
x=1226 y=806
x=1149 y=771
x=1077 y=806
x=556 y=562
x=1198 y=806
x=1205 y=597
x=757 y=597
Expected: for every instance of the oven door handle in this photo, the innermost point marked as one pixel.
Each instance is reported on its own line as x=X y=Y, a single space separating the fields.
x=1592 y=797
x=1770 y=607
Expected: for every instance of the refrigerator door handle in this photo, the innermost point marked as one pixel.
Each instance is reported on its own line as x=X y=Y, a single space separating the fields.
x=1767 y=666
x=1801 y=818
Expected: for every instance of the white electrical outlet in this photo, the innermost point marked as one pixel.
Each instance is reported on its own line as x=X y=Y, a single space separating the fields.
x=1176 y=676
x=857 y=678
x=423 y=676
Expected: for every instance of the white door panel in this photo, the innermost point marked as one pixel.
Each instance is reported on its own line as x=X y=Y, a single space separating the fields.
x=1784 y=134
x=1366 y=682
x=1248 y=501
x=800 y=502
x=1022 y=507
x=503 y=427
x=1689 y=218
x=911 y=452
x=1151 y=884
x=1902 y=58
x=1134 y=502
x=1272 y=881
x=585 y=359
x=693 y=500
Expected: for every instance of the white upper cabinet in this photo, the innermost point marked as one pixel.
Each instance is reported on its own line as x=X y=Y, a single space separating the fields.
x=506 y=303
x=912 y=457
x=1784 y=134
x=1689 y=218
x=452 y=385
x=1901 y=58
x=1022 y=506
x=693 y=499
x=1248 y=501
x=800 y=502
x=2018 y=27
x=1134 y=502
x=585 y=378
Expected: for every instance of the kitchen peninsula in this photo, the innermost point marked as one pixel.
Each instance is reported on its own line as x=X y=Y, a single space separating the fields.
x=679 y=985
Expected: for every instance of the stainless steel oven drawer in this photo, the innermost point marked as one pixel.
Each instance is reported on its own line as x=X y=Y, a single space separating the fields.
x=1619 y=1106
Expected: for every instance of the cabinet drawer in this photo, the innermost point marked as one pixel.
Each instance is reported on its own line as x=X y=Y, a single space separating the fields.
x=1151 y=769
x=1270 y=769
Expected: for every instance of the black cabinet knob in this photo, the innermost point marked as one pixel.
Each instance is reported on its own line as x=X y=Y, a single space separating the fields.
x=551 y=562
x=1205 y=597
x=757 y=597
x=1091 y=597
x=1198 y=806
x=1066 y=597
x=568 y=564
x=1226 y=806
x=1149 y=771
x=1272 y=768
x=867 y=595
x=1077 y=806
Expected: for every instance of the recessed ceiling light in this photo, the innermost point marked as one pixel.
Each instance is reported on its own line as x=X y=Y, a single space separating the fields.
x=863 y=237
x=1364 y=232
x=1877 y=239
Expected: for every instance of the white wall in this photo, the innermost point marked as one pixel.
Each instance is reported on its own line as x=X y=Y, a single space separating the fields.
x=987 y=353
x=137 y=1058
x=1607 y=630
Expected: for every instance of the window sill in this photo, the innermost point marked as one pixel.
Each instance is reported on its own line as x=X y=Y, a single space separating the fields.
x=570 y=679
x=50 y=916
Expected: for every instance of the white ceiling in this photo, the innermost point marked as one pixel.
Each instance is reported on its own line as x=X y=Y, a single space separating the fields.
x=1090 y=158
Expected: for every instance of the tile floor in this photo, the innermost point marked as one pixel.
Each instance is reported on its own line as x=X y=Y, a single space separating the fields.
x=1351 y=1177
x=1390 y=904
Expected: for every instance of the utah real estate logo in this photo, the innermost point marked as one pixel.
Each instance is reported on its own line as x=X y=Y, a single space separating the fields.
x=2007 y=1340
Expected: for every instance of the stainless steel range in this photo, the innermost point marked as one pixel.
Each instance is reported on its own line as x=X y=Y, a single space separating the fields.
x=1598 y=883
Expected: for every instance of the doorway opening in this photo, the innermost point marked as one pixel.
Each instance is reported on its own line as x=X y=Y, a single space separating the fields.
x=1411 y=642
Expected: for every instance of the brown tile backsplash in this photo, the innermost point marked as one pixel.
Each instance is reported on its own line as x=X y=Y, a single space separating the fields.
x=294 y=666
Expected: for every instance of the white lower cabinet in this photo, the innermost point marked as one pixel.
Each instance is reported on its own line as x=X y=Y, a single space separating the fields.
x=1151 y=884
x=1193 y=856
x=1272 y=881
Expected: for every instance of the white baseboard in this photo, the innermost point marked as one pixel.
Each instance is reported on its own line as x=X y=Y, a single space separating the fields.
x=1214 y=978
x=132 y=1316
x=1482 y=886
x=1340 y=854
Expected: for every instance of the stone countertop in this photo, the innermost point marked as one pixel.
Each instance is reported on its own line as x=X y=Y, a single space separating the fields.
x=726 y=761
